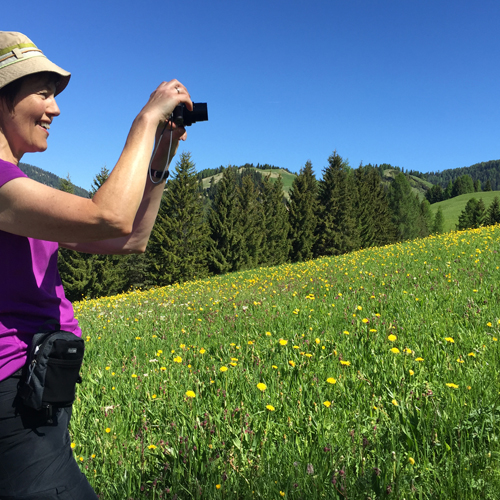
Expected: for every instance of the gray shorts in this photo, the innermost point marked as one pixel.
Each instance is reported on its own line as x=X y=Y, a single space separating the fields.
x=36 y=460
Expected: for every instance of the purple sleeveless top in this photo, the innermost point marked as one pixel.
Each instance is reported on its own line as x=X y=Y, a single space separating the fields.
x=31 y=291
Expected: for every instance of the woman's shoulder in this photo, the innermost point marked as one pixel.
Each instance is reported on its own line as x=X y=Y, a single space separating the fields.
x=9 y=171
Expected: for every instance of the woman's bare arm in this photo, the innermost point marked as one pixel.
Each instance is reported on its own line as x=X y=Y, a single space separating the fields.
x=31 y=209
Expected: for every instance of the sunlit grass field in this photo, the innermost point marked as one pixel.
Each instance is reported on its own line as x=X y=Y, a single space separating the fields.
x=371 y=375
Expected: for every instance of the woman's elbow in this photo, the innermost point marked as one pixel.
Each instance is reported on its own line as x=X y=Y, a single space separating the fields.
x=118 y=227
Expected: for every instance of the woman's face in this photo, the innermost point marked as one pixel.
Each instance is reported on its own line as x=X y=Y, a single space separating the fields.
x=26 y=127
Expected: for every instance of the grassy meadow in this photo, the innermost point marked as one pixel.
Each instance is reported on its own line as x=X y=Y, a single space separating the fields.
x=453 y=207
x=364 y=376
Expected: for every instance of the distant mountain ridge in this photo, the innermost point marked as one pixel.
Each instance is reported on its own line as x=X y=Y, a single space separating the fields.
x=48 y=178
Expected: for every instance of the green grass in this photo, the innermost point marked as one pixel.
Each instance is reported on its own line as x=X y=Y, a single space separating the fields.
x=286 y=177
x=381 y=372
x=453 y=207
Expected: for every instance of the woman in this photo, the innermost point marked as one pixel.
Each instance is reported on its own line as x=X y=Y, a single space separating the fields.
x=36 y=461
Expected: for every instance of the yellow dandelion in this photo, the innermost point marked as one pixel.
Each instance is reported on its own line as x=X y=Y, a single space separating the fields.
x=411 y=460
x=392 y=338
x=190 y=394
x=291 y=363
x=223 y=368
x=364 y=320
x=108 y=430
x=452 y=386
x=151 y=447
x=262 y=387
x=345 y=363
x=395 y=403
x=217 y=486
x=177 y=359
x=331 y=380
x=283 y=342
x=327 y=404
x=270 y=407
x=202 y=351
x=395 y=350
x=73 y=446
x=412 y=373
x=419 y=359
x=472 y=354
x=450 y=340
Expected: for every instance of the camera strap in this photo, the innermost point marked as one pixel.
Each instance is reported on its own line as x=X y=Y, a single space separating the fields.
x=165 y=172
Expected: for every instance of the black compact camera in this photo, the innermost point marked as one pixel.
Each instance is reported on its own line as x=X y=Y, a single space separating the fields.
x=182 y=117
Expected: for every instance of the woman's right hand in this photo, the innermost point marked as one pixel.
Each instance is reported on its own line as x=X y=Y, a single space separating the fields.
x=165 y=98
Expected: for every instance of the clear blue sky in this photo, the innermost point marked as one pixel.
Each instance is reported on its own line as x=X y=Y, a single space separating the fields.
x=413 y=83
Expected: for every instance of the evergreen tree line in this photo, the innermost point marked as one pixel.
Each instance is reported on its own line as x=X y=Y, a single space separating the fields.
x=483 y=172
x=244 y=221
x=461 y=185
x=475 y=214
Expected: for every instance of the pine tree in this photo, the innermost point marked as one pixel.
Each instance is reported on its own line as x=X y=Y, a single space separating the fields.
x=337 y=231
x=73 y=267
x=302 y=214
x=98 y=181
x=405 y=208
x=477 y=186
x=178 y=243
x=374 y=218
x=472 y=216
x=108 y=275
x=75 y=272
x=435 y=194
x=487 y=186
x=225 y=242
x=426 y=218
x=438 y=226
x=66 y=185
x=251 y=223
x=448 y=191
x=493 y=213
x=275 y=244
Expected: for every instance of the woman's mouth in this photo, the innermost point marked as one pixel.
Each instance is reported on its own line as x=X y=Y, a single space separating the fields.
x=45 y=126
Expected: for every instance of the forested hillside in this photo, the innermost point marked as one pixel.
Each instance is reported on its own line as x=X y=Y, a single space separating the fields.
x=245 y=221
x=49 y=179
x=235 y=218
x=483 y=172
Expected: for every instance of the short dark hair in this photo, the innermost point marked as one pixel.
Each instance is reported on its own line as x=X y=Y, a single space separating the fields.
x=9 y=93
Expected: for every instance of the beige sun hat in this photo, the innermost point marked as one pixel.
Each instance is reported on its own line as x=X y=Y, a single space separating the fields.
x=19 y=57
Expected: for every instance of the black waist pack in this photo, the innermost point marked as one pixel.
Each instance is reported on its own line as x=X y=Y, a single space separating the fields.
x=53 y=370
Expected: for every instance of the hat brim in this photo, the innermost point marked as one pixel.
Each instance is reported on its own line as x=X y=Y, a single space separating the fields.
x=32 y=66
